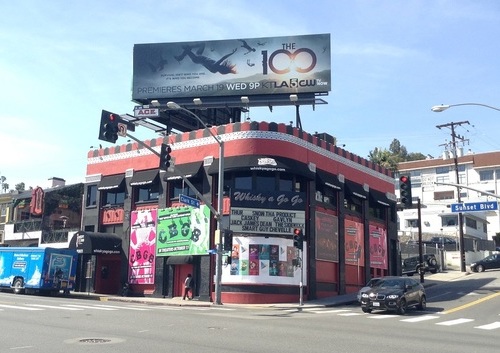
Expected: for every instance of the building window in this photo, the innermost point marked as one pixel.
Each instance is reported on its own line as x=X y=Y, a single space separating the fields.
x=449 y=221
x=444 y=195
x=352 y=203
x=485 y=175
x=114 y=197
x=376 y=210
x=265 y=181
x=327 y=195
x=91 y=199
x=444 y=178
x=412 y=223
x=243 y=181
x=147 y=193
x=285 y=182
x=471 y=223
x=180 y=187
x=442 y=170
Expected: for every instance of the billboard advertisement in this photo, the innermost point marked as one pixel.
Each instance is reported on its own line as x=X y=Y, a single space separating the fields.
x=142 y=247
x=234 y=67
x=183 y=231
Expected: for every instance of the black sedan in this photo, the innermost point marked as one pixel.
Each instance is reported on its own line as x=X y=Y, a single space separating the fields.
x=394 y=293
x=488 y=263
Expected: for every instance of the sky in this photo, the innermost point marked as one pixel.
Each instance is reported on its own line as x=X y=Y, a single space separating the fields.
x=62 y=62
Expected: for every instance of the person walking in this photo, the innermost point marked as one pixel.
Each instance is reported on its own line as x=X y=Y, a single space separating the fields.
x=188 y=287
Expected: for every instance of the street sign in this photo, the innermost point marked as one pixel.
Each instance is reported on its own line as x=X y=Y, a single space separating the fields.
x=141 y=112
x=474 y=206
x=189 y=201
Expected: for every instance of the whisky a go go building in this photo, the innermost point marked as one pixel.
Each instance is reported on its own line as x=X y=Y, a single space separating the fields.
x=277 y=178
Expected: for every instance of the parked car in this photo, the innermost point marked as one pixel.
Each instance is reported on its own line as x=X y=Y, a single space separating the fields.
x=395 y=294
x=368 y=286
x=488 y=263
x=411 y=265
x=442 y=241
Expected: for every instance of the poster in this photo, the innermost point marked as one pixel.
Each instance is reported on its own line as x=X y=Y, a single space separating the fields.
x=378 y=247
x=327 y=237
x=354 y=251
x=142 y=247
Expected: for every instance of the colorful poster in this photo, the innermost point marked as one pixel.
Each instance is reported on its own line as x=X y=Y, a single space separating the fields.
x=183 y=231
x=378 y=247
x=263 y=260
x=142 y=247
x=354 y=251
x=327 y=237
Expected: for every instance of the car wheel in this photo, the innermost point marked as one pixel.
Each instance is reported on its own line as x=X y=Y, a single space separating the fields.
x=423 y=303
x=421 y=270
x=433 y=262
x=480 y=268
x=366 y=310
x=18 y=286
x=402 y=307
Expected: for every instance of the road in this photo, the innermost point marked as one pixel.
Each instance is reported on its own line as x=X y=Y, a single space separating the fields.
x=462 y=316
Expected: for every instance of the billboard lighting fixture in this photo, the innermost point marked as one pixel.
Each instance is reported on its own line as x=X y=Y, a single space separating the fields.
x=245 y=100
x=155 y=103
x=197 y=101
x=294 y=98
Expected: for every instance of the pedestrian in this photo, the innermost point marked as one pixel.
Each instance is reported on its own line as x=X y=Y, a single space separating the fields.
x=188 y=286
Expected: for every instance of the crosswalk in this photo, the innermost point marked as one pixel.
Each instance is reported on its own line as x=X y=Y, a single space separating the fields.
x=436 y=319
x=416 y=319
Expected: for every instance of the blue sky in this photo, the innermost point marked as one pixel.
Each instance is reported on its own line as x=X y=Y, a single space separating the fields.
x=62 y=62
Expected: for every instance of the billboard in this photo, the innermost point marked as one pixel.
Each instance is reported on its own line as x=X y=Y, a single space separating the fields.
x=235 y=67
x=183 y=231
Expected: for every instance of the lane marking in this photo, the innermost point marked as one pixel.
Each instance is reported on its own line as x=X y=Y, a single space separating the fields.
x=19 y=307
x=421 y=318
x=475 y=302
x=454 y=322
x=380 y=317
x=491 y=326
x=124 y=307
x=88 y=307
x=53 y=307
x=351 y=314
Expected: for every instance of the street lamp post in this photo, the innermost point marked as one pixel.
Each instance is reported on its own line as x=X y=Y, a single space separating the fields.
x=438 y=109
x=220 y=198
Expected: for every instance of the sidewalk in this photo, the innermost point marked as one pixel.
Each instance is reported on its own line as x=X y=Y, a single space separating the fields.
x=338 y=300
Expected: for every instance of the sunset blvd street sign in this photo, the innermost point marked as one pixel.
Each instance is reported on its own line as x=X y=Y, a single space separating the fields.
x=474 y=206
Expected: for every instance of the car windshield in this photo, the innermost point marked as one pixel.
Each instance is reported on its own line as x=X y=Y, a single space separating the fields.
x=390 y=283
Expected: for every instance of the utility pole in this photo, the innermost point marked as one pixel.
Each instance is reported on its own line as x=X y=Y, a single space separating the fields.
x=454 y=140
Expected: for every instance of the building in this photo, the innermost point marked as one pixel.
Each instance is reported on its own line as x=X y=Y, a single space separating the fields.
x=41 y=217
x=434 y=182
x=276 y=178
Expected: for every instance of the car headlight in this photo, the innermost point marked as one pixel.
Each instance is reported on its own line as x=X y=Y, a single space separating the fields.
x=364 y=295
x=473 y=264
x=393 y=296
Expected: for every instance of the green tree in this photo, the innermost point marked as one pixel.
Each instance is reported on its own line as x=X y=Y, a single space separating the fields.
x=20 y=187
x=397 y=153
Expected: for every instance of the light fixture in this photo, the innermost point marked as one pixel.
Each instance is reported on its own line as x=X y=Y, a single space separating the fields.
x=443 y=107
x=173 y=105
x=155 y=103
x=294 y=98
x=197 y=101
x=439 y=108
x=245 y=100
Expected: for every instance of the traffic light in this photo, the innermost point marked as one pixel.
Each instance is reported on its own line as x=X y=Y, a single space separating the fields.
x=405 y=191
x=228 y=240
x=165 y=156
x=298 y=238
x=109 y=126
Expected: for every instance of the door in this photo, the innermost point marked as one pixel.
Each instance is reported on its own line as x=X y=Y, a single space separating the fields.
x=180 y=274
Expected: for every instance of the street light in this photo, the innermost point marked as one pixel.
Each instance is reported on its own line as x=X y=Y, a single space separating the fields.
x=438 y=109
x=443 y=107
x=218 y=215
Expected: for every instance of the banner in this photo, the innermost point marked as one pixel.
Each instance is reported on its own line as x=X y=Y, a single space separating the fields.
x=378 y=247
x=354 y=251
x=327 y=237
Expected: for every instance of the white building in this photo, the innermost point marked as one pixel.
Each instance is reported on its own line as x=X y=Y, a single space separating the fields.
x=478 y=172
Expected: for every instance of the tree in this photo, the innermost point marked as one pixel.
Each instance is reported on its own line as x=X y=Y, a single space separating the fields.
x=396 y=153
x=20 y=187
